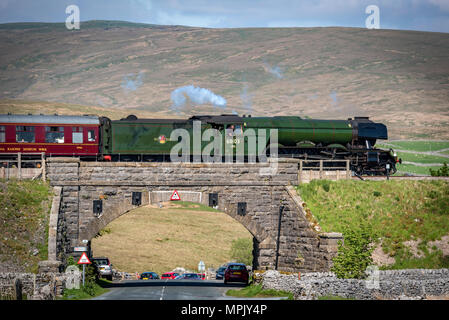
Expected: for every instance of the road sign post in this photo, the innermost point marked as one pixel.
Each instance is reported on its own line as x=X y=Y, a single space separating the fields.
x=84 y=260
x=201 y=266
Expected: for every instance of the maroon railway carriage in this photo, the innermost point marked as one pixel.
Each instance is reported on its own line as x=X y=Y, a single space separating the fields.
x=53 y=135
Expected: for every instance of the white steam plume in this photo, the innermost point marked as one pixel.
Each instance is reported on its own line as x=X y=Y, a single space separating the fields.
x=196 y=95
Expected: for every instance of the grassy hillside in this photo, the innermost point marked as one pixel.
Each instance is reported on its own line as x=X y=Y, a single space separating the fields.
x=24 y=213
x=410 y=219
x=37 y=107
x=397 y=77
x=159 y=240
x=418 y=156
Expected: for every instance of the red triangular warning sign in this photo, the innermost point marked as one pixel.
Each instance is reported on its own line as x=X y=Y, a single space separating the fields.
x=84 y=259
x=175 y=196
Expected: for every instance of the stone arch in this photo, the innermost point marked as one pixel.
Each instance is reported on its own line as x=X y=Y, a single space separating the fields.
x=118 y=201
x=298 y=246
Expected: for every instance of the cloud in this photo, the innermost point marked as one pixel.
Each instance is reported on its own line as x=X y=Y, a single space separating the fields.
x=195 y=20
x=426 y=15
x=442 y=4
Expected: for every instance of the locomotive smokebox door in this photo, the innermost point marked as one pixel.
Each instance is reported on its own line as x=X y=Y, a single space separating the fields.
x=137 y=198
x=213 y=199
x=98 y=207
x=241 y=208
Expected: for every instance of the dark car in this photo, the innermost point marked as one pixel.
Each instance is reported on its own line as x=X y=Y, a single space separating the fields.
x=236 y=272
x=189 y=276
x=103 y=267
x=219 y=274
x=149 y=276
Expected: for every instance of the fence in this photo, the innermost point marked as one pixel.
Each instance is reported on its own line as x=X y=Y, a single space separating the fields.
x=323 y=169
x=22 y=166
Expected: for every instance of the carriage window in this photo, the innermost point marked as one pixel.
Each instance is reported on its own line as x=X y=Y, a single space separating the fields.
x=54 y=134
x=77 y=134
x=25 y=134
x=91 y=135
x=2 y=134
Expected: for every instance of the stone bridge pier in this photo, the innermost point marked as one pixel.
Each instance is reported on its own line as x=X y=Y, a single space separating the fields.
x=95 y=193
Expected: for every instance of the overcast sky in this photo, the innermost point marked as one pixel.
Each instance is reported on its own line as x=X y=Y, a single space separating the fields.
x=425 y=15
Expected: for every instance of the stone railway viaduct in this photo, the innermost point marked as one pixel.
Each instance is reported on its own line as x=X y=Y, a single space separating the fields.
x=92 y=194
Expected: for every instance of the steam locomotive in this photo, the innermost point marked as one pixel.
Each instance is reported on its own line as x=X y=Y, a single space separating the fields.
x=133 y=139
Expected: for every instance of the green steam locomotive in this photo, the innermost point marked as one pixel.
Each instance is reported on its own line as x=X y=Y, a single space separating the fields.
x=225 y=136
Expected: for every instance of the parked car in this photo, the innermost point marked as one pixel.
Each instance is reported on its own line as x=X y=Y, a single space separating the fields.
x=189 y=276
x=103 y=266
x=169 y=275
x=236 y=272
x=149 y=276
x=219 y=274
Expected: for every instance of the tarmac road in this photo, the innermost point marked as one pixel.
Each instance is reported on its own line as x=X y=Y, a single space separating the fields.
x=168 y=290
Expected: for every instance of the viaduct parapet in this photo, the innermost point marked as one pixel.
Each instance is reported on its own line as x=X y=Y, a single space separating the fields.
x=92 y=194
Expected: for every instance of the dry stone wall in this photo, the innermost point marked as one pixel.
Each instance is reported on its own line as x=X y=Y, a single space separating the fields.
x=41 y=286
x=385 y=284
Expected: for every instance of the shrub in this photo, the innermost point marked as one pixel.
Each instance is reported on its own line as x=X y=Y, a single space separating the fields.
x=326 y=186
x=442 y=172
x=354 y=255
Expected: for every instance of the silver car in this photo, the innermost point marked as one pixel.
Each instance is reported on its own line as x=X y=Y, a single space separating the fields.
x=104 y=267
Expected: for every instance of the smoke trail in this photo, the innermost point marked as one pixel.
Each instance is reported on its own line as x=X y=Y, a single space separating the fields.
x=196 y=95
x=275 y=70
x=132 y=82
x=334 y=98
x=246 y=98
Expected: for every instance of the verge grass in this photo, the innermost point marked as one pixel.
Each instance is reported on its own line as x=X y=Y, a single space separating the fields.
x=256 y=291
x=24 y=213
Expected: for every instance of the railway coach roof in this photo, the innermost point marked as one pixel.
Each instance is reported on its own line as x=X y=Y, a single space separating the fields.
x=48 y=119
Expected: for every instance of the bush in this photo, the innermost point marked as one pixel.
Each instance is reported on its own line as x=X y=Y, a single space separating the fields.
x=442 y=172
x=242 y=250
x=354 y=255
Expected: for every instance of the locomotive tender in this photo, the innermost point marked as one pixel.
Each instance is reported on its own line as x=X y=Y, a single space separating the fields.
x=133 y=139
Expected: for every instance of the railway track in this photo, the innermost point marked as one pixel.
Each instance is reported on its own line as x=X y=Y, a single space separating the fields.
x=377 y=178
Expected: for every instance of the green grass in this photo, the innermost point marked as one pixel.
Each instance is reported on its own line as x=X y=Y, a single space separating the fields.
x=256 y=291
x=397 y=211
x=409 y=168
x=421 y=158
x=24 y=210
x=80 y=294
x=183 y=205
x=417 y=145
